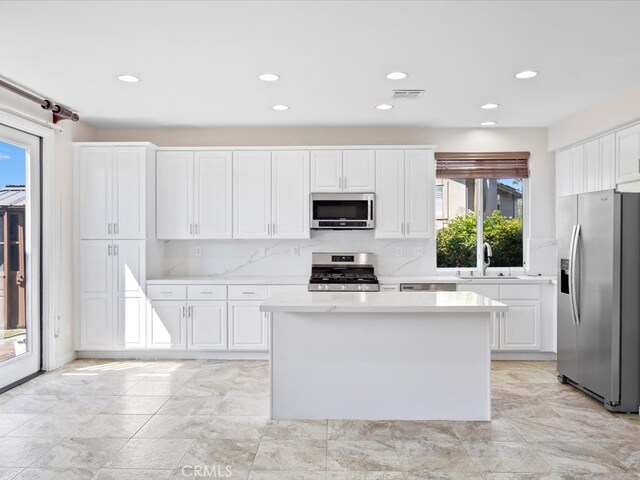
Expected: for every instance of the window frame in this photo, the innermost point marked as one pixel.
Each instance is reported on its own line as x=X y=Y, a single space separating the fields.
x=479 y=202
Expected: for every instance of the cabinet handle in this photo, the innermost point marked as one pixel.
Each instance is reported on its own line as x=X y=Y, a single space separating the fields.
x=248 y=293
x=115 y=250
x=166 y=293
x=340 y=183
x=115 y=228
x=407 y=228
x=403 y=228
x=197 y=228
x=345 y=183
x=109 y=228
x=109 y=250
x=190 y=312
x=184 y=312
x=274 y=229
x=268 y=229
x=191 y=229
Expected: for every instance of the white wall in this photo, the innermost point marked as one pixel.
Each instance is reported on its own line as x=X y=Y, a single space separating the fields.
x=613 y=112
x=61 y=242
x=242 y=258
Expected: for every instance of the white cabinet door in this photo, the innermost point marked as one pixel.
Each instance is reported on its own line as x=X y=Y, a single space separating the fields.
x=564 y=178
x=95 y=189
x=129 y=192
x=577 y=169
x=213 y=198
x=359 y=170
x=520 y=326
x=96 y=286
x=174 y=195
x=290 y=195
x=591 y=166
x=248 y=326
x=207 y=325
x=628 y=143
x=326 y=171
x=389 y=194
x=129 y=279
x=251 y=194
x=419 y=203
x=607 y=157
x=167 y=325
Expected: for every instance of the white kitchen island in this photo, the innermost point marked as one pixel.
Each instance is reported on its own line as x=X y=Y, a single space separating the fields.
x=382 y=355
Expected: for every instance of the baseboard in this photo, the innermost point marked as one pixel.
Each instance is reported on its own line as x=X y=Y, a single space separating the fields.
x=172 y=355
x=531 y=356
x=63 y=360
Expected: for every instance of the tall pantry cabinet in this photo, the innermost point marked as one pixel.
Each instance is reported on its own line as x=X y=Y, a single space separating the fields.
x=113 y=186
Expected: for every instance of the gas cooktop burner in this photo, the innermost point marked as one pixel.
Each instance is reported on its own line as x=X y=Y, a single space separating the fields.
x=346 y=272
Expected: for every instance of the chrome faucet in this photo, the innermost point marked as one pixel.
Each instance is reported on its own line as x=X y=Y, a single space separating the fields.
x=486 y=253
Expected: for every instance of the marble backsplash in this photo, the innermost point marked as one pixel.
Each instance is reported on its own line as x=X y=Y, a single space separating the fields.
x=278 y=257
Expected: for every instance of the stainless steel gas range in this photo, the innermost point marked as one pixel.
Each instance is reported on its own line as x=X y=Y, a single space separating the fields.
x=342 y=272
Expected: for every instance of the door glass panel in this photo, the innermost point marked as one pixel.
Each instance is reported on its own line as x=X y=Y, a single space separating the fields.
x=502 y=220
x=456 y=223
x=13 y=329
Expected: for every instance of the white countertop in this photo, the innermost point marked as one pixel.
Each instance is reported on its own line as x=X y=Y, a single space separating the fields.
x=304 y=280
x=393 y=302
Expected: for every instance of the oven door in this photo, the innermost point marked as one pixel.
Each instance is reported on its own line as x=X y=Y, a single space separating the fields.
x=342 y=211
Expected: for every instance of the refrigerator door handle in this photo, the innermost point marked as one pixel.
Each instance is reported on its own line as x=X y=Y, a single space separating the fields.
x=575 y=285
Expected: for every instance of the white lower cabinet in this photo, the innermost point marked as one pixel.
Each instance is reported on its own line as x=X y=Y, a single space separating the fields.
x=248 y=326
x=207 y=325
x=167 y=325
x=520 y=326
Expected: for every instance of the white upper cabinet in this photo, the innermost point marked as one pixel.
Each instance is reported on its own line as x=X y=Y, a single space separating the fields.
x=212 y=195
x=564 y=185
x=607 y=160
x=628 y=161
x=390 y=194
x=96 y=192
x=290 y=194
x=591 y=166
x=326 y=171
x=252 y=194
x=343 y=171
x=194 y=194
x=129 y=182
x=358 y=170
x=111 y=187
x=174 y=195
x=577 y=169
x=419 y=193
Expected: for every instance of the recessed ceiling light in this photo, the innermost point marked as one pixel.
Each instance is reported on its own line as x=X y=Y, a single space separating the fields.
x=269 y=77
x=397 y=75
x=488 y=123
x=384 y=106
x=489 y=106
x=128 y=78
x=526 y=74
x=280 y=108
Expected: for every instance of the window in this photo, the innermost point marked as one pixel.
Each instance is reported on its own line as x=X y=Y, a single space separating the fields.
x=480 y=198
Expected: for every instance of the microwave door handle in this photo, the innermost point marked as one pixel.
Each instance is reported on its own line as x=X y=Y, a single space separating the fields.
x=370 y=209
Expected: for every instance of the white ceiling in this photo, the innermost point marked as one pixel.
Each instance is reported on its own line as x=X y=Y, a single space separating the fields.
x=199 y=60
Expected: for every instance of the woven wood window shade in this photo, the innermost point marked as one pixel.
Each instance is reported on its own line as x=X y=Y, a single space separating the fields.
x=482 y=165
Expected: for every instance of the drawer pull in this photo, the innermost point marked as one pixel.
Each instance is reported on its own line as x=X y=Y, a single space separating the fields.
x=248 y=293
x=208 y=292
x=166 y=293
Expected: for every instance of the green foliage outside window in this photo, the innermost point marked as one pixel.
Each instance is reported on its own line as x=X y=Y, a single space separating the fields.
x=456 y=242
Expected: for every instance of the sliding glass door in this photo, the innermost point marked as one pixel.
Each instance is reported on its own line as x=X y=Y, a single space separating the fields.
x=20 y=323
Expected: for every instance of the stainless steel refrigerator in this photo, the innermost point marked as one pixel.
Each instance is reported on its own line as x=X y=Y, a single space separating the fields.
x=599 y=296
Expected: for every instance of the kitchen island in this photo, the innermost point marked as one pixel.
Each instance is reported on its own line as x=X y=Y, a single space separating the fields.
x=381 y=355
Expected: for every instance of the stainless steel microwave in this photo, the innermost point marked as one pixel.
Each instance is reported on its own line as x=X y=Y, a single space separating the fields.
x=342 y=211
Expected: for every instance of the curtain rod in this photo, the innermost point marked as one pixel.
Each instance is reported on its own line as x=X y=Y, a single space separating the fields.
x=60 y=112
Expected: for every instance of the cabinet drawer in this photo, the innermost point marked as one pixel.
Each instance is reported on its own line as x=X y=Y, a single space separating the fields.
x=523 y=292
x=167 y=292
x=206 y=292
x=248 y=292
x=391 y=287
x=288 y=288
x=491 y=291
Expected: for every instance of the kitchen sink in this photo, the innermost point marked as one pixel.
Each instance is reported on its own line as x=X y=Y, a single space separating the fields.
x=487 y=277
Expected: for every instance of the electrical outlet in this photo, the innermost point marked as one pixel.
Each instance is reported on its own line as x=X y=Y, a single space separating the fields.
x=295 y=251
x=399 y=252
x=198 y=251
x=418 y=251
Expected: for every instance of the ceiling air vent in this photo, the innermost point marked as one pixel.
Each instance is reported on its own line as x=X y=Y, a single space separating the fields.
x=408 y=94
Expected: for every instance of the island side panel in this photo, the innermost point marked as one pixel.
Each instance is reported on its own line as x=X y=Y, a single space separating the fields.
x=374 y=366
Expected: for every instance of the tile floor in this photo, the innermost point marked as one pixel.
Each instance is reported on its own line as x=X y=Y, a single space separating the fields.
x=107 y=420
